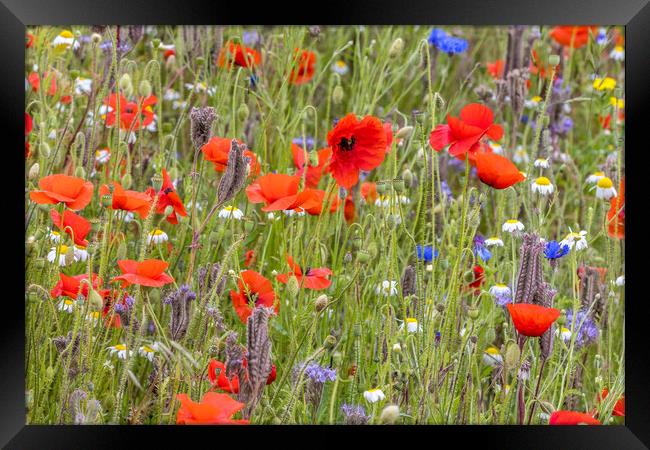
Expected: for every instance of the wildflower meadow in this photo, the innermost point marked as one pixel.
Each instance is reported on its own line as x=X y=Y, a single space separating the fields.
x=325 y=225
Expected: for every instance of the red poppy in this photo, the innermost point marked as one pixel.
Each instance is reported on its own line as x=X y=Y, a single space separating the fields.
x=231 y=385
x=277 y=192
x=571 y=418
x=217 y=149
x=28 y=151
x=356 y=145
x=496 y=68
x=252 y=287
x=388 y=129
x=75 y=192
x=214 y=409
x=133 y=201
x=72 y=286
x=619 y=407
x=616 y=213
x=169 y=197
x=565 y=35
x=168 y=53
x=315 y=279
x=349 y=210
x=28 y=124
x=34 y=81
x=496 y=171
x=369 y=191
x=463 y=135
x=304 y=66
x=133 y=115
x=314 y=173
x=239 y=55
x=29 y=40
x=532 y=320
x=150 y=272
x=73 y=224
x=314 y=206
x=479 y=278
x=250 y=258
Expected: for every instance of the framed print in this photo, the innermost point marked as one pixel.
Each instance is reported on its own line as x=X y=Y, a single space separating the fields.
x=405 y=218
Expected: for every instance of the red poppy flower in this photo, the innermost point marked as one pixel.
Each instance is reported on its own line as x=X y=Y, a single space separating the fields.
x=28 y=124
x=314 y=173
x=356 y=145
x=496 y=68
x=349 y=210
x=29 y=40
x=388 y=129
x=133 y=201
x=619 y=407
x=278 y=192
x=369 y=192
x=496 y=171
x=168 y=53
x=571 y=418
x=463 y=135
x=150 y=272
x=315 y=279
x=133 y=115
x=479 y=278
x=250 y=258
x=28 y=152
x=252 y=287
x=239 y=55
x=304 y=66
x=616 y=213
x=34 y=81
x=73 y=224
x=214 y=409
x=75 y=192
x=169 y=197
x=72 y=286
x=314 y=206
x=231 y=385
x=532 y=320
x=217 y=149
x=564 y=35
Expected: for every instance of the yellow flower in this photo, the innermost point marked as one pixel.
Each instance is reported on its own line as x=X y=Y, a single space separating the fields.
x=602 y=84
x=617 y=102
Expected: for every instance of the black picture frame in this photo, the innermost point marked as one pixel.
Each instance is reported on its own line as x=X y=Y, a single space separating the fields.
x=634 y=14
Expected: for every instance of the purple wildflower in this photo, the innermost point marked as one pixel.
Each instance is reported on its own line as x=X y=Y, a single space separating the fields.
x=354 y=414
x=586 y=329
x=320 y=374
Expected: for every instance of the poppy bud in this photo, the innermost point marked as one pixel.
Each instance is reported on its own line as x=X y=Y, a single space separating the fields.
x=121 y=251
x=49 y=374
x=79 y=172
x=156 y=182
x=512 y=354
x=313 y=159
x=321 y=302
x=330 y=342
x=155 y=43
x=381 y=187
x=34 y=171
x=337 y=357
x=404 y=132
x=372 y=249
x=357 y=243
x=169 y=210
x=390 y=414
x=293 y=286
x=363 y=256
x=125 y=82
x=337 y=94
x=126 y=181
x=107 y=200
x=398 y=185
x=243 y=111
x=554 y=60
x=397 y=348
x=144 y=89
x=95 y=300
x=392 y=221
x=45 y=148
x=407 y=176
x=96 y=38
x=396 y=48
x=472 y=312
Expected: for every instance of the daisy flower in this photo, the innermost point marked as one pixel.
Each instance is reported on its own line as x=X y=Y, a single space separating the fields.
x=493 y=241
x=62 y=251
x=93 y=317
x=496 y=147
x=80 y=253
x=595 y=177
x=340 y=67
x=64 y=41
x=55 y=236
x=500 y=290
x=120 y=350
x=147 y=352
x=605 y=189
x=157 y=236
x=385 y=200
x=387 y=288
x=579 y=240
x=492 y=357
x=374 y=395
x=411 y=324
x=520 y=156
x=564 y=333
x=231 y=211
x=66 y=305
x=102 y=156
x=533 y=102
x=620 y=281
x=512 y=225
x=618 y=54
x=83 y=86
x=542 y=163
x=542 y=186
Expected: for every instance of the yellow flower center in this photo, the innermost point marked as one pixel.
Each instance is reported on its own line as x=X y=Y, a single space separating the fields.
x=67 y=302
x=66 y=34
x=512 y=221
x=565 y=330
x=156 y=232
x=411 y=320
x=605 y=183
x=499 y=285
x=536 y=99
x=373 y=390
x=56 y=233
x=147 y=349
x=63 y=249
x=492 y=351
x=618 y=48
x=120 y=347
x=543 y=181
x=340 y=64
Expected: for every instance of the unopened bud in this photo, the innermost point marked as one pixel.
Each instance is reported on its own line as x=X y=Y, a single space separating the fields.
x=34 y=171
x=363 y=256
x=121 y=251
x=321 y=302
x=330 y=342
x=126 y=181
x=293 y=286
x=512 y=354
x=107 y=200
x=80 y=172
x=145 y=88
x=156 y=182
x=313 y=158
x=390 y=414
x=337 y=94
x=168 y=210
x=554 y=60
x=95 y=300
x=404 y=132
x=397 y=348
x=396 y=48
x=243 y=111
x=125 y=82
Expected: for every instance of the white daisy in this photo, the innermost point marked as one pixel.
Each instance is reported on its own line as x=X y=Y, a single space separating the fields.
x=93 y=317
x=605 y=189
x=64 y=41
x=202 y=87
x=618 y=54
x=533 y=102
x=564 y=333
x=83 y=86
x=387 y=288
x=120 y=350
x=62 y=251
x=512 y=225
x=496 y=147
x=542 y=163
x=102 y=156
x=493 y=241
x=520 y=156
x=80 y=253
x=579 y=240
x=595 y=177
x=66 y=305
x=620 y=281
x=157 y=236
x=500 y=290
x=340 y=67
x=294 y=212
x=126 y=216
x=231 y=211
x=55 y=236
x=385 y=200
x=542 y=186
x=374 y=395
x=147 y=351
x=492 y=357
x=171 y=95
x=411 y=325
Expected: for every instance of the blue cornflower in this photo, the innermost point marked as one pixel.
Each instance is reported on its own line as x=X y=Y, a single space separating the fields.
x=480 y=249
x=354 y=414
x=250 y=38
x=426 y=253
x=448 y=44
x=601 y=37
x=320 y=374
x=307 y=143
x=554 y=250
x=436 y=36
x=586 y=329
x=502 y=300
